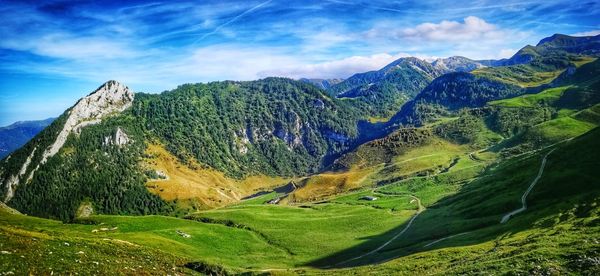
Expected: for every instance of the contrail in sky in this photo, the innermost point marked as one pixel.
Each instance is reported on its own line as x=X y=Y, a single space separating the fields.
x=234 y=19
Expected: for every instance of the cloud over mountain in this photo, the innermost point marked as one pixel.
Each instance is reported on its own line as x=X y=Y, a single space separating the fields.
x=472 y=27
x=155 y=46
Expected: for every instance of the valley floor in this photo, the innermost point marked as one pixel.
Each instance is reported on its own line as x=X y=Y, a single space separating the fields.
x=447 y=222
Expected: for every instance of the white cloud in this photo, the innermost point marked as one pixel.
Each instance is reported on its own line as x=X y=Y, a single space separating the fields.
x=473 y=37
x=60 y=45
x=342 y=68
x=212 y=63
x=588 y=33
x=471 y=28
x=219 y=62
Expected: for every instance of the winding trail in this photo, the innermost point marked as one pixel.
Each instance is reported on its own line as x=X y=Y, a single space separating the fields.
x=443 y=239
x=506 y=217
x=421 y=209
x=524 y=196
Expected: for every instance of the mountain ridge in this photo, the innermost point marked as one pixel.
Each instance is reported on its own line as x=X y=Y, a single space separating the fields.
x=270 y=127
x=17 y=134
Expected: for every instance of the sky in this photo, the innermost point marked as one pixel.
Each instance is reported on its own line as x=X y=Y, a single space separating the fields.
x=54 y=52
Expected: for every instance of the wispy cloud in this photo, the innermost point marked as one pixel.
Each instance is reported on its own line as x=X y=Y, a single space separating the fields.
x=470 y=29
x=587 y=33
x=218 y=28
x=158 y=45
x=472 y=37
x=342 y=68
x=67 y=46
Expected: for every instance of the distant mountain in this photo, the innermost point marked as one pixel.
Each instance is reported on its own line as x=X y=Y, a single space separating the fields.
x=452 y=175
x=556 y=60
x=385 y=90
x=558 y=43
x=16 y=135
x=227 y=132
x=586 y=45
x=322 y=83
x=452 y=92
x=456 y=64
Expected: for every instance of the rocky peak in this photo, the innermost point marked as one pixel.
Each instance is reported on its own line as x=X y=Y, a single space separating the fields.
x=111 y=97
x=411 y=63
x=456 y=64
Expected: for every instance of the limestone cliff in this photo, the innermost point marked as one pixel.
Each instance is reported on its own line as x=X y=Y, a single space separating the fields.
x=110 y=98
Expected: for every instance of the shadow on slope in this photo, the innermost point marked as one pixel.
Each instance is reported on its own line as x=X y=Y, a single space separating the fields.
x=474 y=212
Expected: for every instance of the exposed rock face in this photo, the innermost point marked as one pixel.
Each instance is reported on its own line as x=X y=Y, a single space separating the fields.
x=13 y=181
x=292 y=137
x=85 y=210
x=413 y=63
x=318 y=103
x=456 y=64
x=291 y=134
x=241 y=140
x=336 y=136
x=111 y=97
x=119 y=139
x=322 y=83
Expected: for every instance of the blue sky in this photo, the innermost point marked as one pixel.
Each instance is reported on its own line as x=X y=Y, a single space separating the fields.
x=52 y=53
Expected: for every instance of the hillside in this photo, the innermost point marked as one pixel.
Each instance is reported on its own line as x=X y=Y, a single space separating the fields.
x=226 y=140
x=457 y=226
x=557 y=43
x=451 y=92
x=382 y=92
x=480 y=170
x=16 y=135
x=322 y=83
x=273 y=127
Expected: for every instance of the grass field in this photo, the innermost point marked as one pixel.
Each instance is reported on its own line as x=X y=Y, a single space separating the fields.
x=382 y=167
x=544 y=98
x=437 y=211
x=520 y=75
x=374 y=120
x=42 y=247
x=251 y=236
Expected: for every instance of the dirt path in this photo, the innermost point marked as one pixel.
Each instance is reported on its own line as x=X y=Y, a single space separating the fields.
x=443 y=239
x=419 y=205
x=524 y=196
x=418 y=157
x=506 y=217
x=421 y=209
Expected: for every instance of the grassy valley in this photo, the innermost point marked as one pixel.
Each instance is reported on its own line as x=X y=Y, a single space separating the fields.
x=455 y=168
x=457 y=202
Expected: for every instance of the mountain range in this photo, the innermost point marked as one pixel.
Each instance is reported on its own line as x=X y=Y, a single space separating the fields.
x=476 y=166
x=16 y=135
